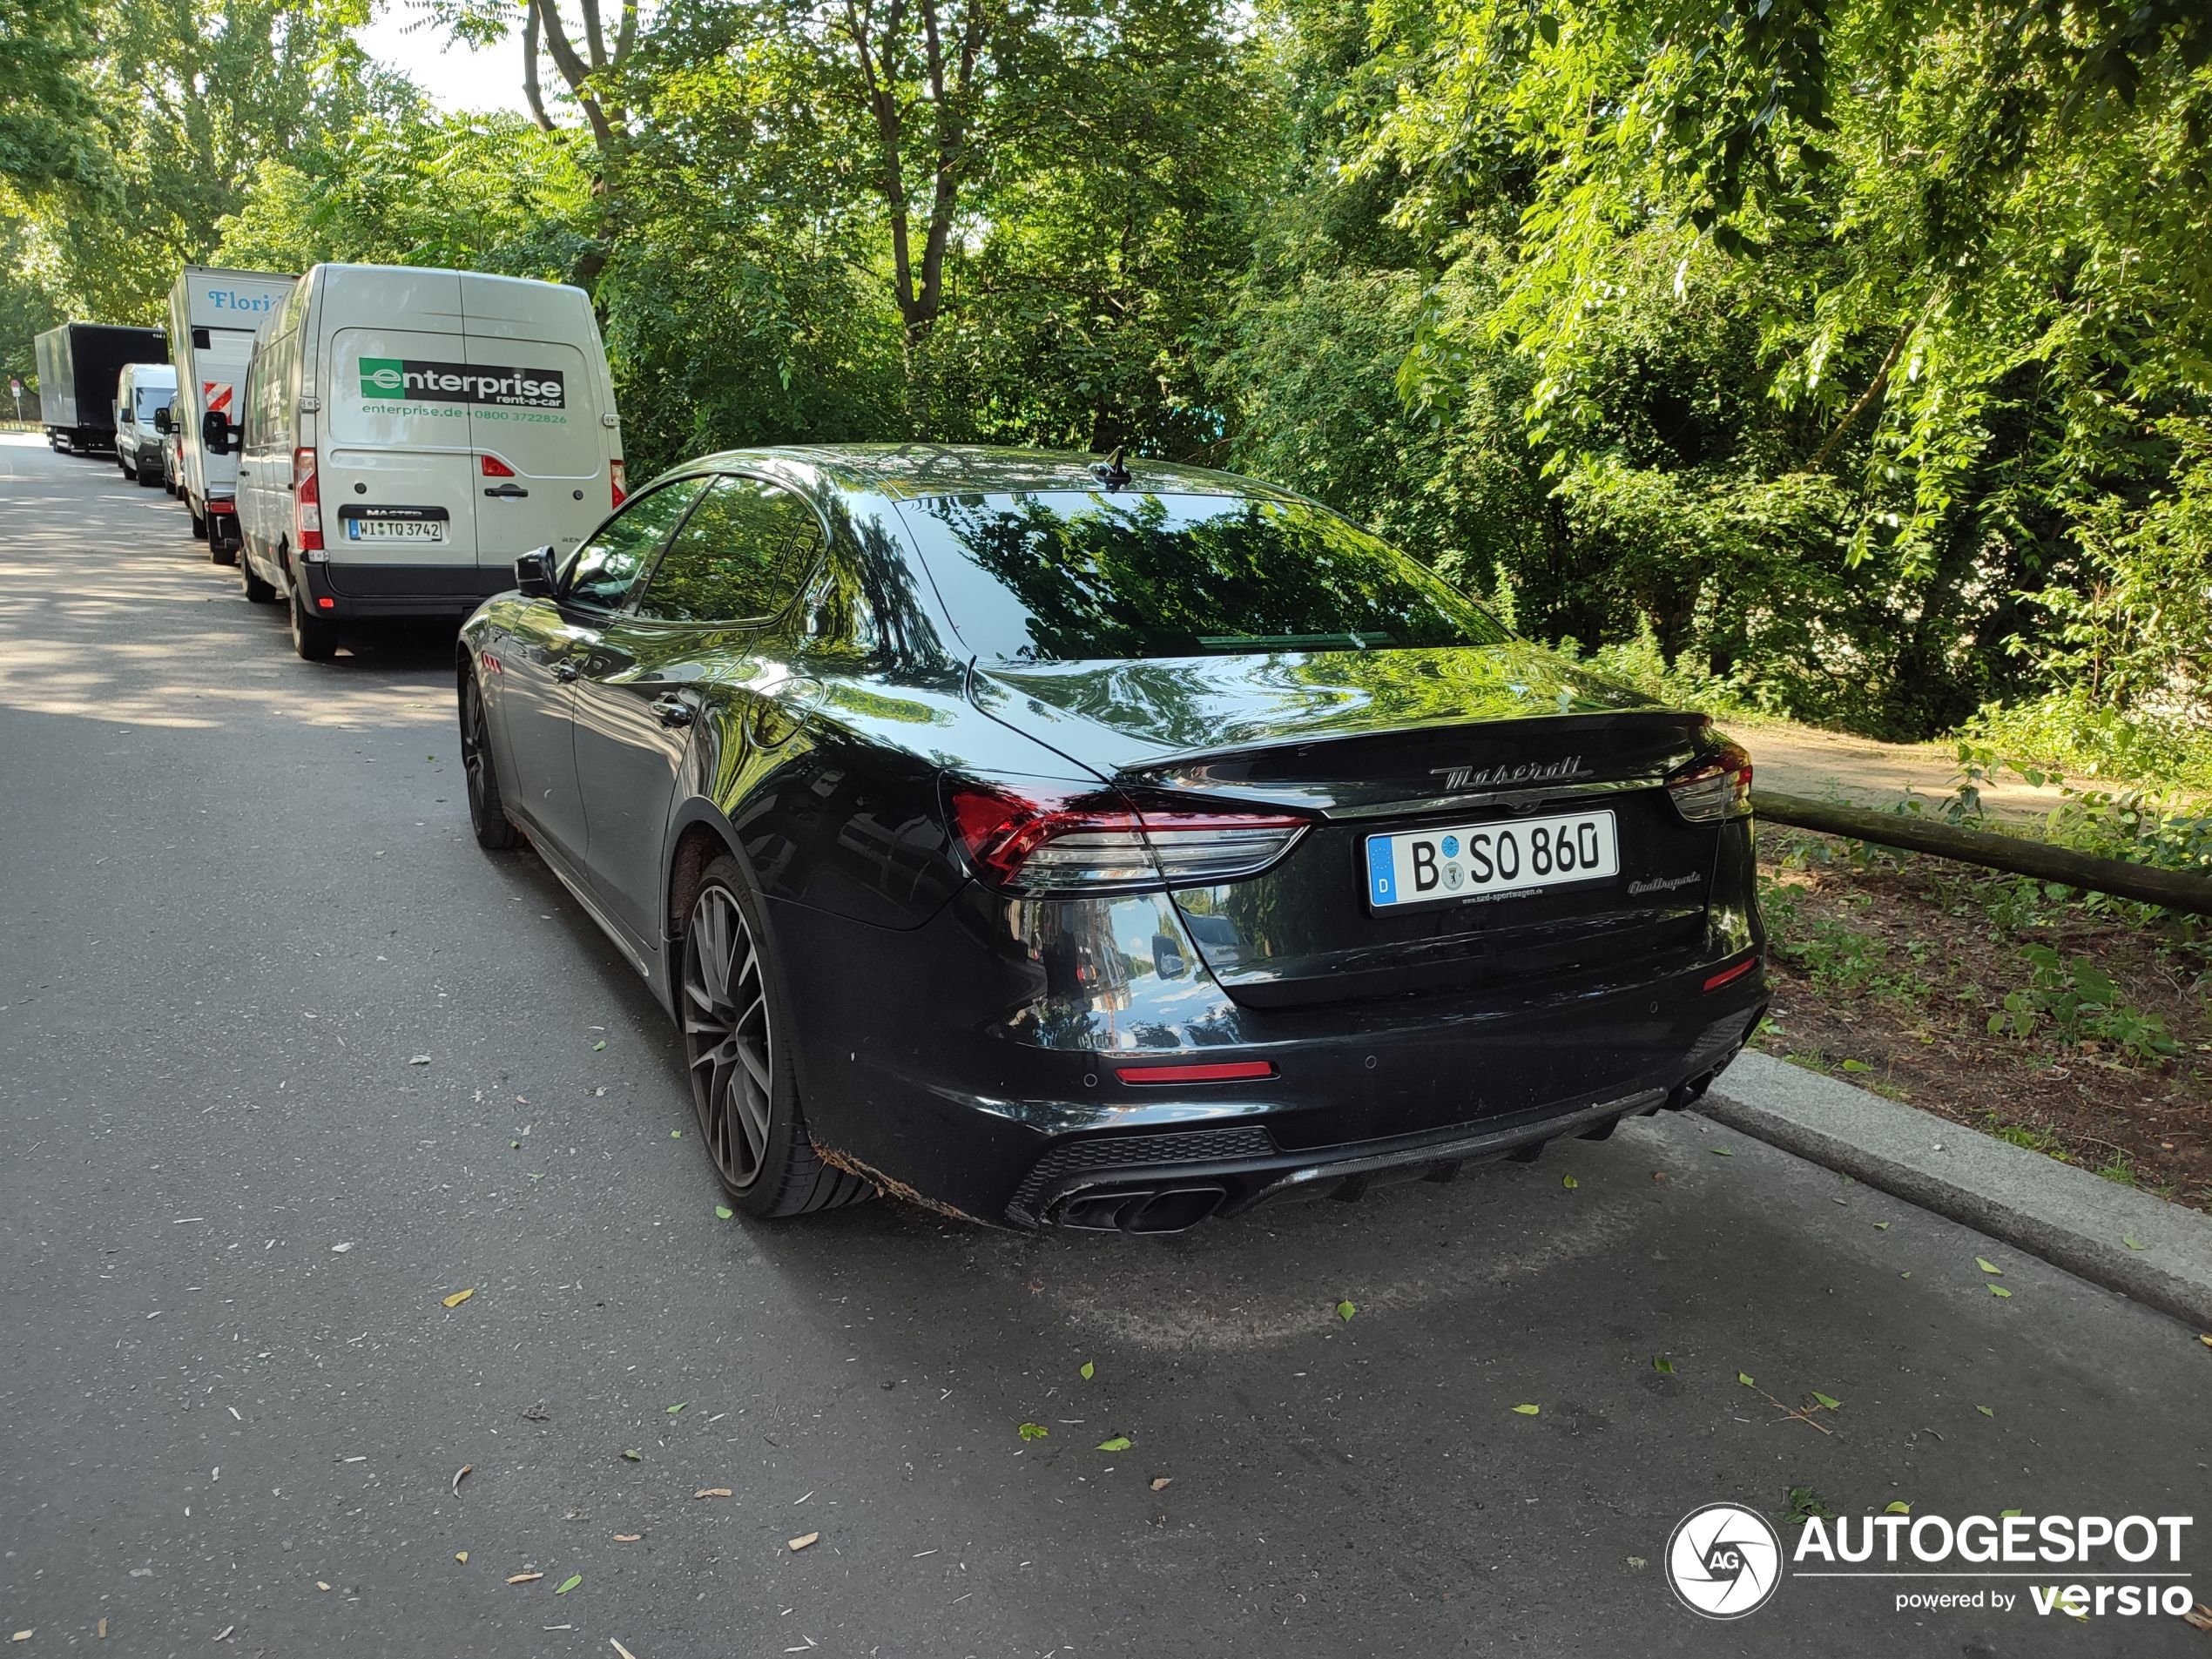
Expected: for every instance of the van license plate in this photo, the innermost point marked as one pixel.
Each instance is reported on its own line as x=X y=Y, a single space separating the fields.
x=395 y=529
x=1487 y=860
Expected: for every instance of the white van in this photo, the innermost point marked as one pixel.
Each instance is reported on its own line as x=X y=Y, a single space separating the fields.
x=213 y=314
x=141 y=392
x=407 y=434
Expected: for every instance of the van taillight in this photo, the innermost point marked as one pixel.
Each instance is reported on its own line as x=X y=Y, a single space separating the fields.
x=494 y=468
x=619 y=478
x=306 y=501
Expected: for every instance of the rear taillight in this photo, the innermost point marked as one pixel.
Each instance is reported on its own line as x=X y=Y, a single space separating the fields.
x=1040 y=836
x=619 y=479
x=492 y=467
x=306 y=501
x=1715 y=788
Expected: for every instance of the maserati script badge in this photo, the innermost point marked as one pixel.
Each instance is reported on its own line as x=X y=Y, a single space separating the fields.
x=1533 y=772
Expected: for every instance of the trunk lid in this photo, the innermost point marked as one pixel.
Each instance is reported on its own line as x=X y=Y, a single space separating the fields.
x=1379 y=743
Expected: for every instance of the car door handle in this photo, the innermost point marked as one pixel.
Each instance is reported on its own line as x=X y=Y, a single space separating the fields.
x=508 y=492
x=673 y=710
x=565 y=671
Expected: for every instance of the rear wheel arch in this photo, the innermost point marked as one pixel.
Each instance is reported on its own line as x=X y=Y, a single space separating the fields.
x=697 y=843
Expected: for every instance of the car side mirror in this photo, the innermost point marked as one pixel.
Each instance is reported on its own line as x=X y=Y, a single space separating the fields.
x=534 y=575
x=215 y=432
x=162 y=424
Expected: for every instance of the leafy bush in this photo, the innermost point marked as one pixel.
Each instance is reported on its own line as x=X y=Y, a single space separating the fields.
x=2070 y=732
x=2077 y=1001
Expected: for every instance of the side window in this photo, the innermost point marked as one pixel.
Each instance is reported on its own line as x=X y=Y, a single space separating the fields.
x=284 y=390
x=739 y=557
x=248 y=415
x=259 y=410
x=605 y=568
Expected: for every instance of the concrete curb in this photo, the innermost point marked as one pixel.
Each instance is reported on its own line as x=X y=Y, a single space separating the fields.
x=2069 y=1217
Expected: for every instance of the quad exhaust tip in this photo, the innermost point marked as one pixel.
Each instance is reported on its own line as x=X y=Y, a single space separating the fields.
x=1141 y=1210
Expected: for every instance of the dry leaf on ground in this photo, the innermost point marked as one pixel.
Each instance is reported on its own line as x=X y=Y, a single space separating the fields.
x=801 y=1542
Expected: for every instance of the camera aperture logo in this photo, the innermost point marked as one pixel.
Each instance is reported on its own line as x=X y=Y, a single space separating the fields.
x=1724 y=1561
x=405 y=377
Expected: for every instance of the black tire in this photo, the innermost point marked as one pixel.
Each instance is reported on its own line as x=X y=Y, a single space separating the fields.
x=261 y=592
x=198 y=522
x=495 y=831
x=730 y=1002
x=314 y=640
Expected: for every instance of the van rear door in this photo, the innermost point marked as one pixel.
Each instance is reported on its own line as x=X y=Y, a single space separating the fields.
x=398 y=482
x=536 y=421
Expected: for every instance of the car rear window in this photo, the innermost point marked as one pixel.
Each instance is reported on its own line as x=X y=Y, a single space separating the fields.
x=1077 y=576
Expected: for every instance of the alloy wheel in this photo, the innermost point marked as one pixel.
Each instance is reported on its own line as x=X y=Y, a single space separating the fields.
x=474 y=748
x=727 y=1038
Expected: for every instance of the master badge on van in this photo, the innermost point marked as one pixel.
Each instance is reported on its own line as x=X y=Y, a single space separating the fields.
x=405 y=377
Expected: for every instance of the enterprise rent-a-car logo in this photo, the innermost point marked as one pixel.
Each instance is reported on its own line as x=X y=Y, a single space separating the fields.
x=398 y=378
x=1725 y=1561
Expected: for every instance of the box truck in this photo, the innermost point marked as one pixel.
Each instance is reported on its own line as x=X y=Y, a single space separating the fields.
x=213 y=314
x=79 y=364
x=408 y=433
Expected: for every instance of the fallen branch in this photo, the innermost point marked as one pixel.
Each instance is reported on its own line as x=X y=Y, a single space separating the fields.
x=2013 y=854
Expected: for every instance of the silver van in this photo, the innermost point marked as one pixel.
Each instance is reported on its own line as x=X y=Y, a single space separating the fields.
x=407 y=434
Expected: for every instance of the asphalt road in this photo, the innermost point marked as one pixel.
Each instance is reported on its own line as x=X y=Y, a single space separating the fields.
x=239 y=900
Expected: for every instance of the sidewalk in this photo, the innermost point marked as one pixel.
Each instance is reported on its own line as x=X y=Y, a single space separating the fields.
x=2157 y=1253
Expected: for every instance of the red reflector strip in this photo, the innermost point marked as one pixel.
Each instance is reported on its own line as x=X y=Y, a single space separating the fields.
x=222 y=507
x=1227 y=1071
x=327 y=605
x=1728 y=973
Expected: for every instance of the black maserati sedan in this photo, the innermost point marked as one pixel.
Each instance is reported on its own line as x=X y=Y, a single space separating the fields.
x=1104 y=844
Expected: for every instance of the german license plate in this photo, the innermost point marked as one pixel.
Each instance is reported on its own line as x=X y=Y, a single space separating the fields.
x=1487 y=860
x=395 y=529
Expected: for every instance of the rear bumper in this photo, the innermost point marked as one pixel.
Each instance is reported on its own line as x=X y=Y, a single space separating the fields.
x=951 y=1071
x=1163 y=1184
x=359 y=591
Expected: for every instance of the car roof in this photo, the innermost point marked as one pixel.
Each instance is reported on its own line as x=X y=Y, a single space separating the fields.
x=913 y=470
